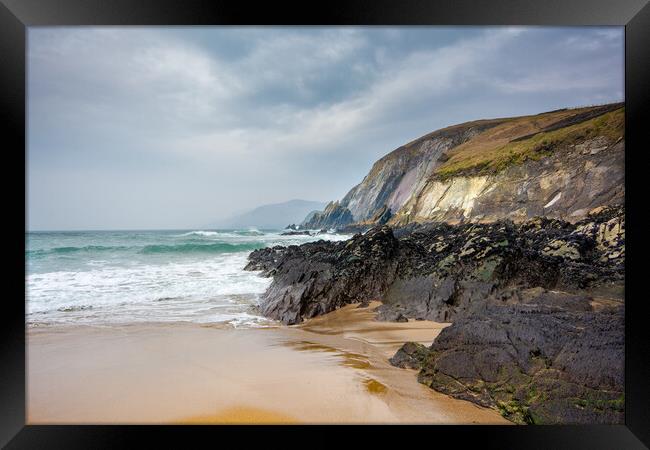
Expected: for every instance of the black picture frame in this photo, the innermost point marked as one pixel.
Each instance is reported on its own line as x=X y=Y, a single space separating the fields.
x=17 y=15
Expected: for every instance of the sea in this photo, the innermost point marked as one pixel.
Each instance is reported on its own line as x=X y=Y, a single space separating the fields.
x=123 y=277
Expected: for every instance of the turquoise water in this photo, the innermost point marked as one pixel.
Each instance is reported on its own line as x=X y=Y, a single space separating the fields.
x=110 y=277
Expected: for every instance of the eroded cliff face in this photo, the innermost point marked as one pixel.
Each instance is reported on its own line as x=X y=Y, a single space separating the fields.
x=559 y=164
x=565 y=186
x=395 y=178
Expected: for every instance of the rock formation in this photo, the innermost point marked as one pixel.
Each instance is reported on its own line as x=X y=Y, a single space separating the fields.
x=524 y=298
x=437 y=271
x=296 y=233
x=318 y=277
x=551 y=359
x=333 y=216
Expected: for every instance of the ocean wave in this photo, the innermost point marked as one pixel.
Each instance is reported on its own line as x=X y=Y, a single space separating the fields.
x=218 y=247
x=199 y=233
x=248 y=232
x=223 y=233
x=213 y=247
x=149 y=276
x=67 y=250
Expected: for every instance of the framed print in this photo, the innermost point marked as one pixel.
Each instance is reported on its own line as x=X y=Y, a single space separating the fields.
x=417 y=214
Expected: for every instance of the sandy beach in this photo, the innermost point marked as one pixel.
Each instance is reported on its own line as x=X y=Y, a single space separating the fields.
x=331 y=369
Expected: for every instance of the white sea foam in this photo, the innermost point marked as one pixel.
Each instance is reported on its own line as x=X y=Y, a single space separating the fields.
x=199 y=233
x=194 y=290
x=126 y=285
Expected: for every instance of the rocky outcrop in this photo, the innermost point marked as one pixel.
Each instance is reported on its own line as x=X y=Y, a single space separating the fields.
x=410 y=356
x=559 y=164
x=333 y=216
x=550 y=360
x=318 y=277
x=438 y=271
x=444 y=269
x=296 y=233
x=536 y=306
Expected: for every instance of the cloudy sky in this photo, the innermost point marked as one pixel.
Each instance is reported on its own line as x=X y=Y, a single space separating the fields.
x=178 y=127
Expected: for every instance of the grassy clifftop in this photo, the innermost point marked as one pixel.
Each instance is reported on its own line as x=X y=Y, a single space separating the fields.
x=531 y=138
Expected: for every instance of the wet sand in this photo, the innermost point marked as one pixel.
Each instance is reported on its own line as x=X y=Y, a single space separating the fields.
x=331 y=369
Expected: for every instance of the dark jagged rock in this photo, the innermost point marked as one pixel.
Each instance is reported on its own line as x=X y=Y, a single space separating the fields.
x=443 y=269
x=535 y=362
x=410 y=356
x=296 y=233
x=266 y=259
x=387 y=313
x=394 y=313
x=318 y=277
x=437 y=271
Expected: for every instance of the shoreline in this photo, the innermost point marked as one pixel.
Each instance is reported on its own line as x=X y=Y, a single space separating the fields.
x=330 y=369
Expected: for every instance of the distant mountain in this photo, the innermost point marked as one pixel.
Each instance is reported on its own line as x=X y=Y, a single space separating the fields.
x=274 y=216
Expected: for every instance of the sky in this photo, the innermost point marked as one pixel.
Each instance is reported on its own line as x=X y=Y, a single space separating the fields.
x=179 y=127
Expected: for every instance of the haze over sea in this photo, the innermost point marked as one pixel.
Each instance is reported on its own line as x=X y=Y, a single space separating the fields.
x=118 y=277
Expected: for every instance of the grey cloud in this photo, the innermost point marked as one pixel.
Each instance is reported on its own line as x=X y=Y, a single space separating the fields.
x=177 y=127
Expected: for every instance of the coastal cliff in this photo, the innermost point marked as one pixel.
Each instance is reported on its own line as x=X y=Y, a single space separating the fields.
x=557 y=164
x=511 y=229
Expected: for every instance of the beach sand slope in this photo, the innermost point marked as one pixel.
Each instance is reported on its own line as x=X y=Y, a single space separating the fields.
x=331 y=369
